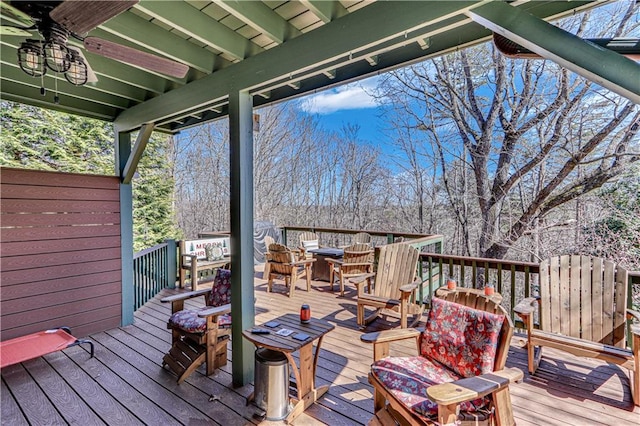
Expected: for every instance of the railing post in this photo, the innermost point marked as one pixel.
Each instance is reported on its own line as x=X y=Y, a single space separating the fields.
x=172 y=263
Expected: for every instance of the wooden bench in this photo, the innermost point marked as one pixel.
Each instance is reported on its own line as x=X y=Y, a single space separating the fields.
x=192 y=257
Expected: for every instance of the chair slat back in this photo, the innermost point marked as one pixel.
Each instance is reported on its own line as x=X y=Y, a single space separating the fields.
x=357 y=259
x=584 y=297
x=361 y=237
x=397 y=266
x=281 y=258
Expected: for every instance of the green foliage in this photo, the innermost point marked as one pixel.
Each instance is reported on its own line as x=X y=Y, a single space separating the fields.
x=153 y=219
x=39 y=139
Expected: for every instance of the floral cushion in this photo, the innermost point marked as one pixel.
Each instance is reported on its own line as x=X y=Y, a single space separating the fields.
x=221 y=289
x=189 y=321
x=408 y=378
x=461 y=338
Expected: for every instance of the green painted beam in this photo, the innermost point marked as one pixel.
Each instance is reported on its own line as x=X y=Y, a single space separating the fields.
x=602 y=66
x=11 y=72
x=138 y=149
x=189 y=20
x=262 y=18
x=367 y=26
x=325 y=10
x=143 y=33
x=30 y=95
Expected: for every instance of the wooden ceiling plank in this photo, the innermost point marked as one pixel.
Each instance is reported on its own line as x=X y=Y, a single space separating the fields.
x=143 y=33
x=191 y=21
x=260 y=17
x=326 y=11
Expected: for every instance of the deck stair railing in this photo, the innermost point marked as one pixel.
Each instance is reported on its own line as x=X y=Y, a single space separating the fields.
x=154 y=269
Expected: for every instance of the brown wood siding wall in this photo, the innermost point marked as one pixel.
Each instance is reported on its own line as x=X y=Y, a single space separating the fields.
x=59 y=252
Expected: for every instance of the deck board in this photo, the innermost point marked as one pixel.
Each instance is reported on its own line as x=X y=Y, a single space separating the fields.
x=125 y=385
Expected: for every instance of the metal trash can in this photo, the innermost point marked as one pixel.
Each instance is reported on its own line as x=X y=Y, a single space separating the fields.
x=271 y=390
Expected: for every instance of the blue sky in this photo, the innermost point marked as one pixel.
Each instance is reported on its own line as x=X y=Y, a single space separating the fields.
x=348 y=104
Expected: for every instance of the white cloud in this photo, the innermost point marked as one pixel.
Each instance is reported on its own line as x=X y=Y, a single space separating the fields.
x=350 y=96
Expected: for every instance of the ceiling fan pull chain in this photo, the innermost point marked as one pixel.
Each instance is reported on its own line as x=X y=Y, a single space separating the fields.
x=56 y=98
x=43 y=91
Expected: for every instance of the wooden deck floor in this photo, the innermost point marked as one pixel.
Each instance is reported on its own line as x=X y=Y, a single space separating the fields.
x=125 y=385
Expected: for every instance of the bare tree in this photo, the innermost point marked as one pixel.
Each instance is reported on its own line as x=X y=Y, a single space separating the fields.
x=521 y=129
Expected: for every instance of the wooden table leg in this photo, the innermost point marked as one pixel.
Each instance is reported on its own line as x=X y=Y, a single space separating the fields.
x=306 y=379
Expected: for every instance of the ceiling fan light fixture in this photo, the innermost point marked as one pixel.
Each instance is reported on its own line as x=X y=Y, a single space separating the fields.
x=31 y=58
x=78 y=72
x=56 y=56
x=56 y=52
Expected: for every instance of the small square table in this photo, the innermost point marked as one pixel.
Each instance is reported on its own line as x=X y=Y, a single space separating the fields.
x=305 y=373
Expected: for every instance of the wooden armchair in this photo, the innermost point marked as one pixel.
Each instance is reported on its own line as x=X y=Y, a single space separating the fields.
x=283 y=263
x=459 y=373
x=394 y=289
x=308 y=241
x=357 y=260
x=361 y=237
x=200 y=336
x=582 y=310
x=267 y=256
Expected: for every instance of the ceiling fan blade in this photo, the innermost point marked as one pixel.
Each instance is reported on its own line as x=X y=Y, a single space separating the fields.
x=132 y=56
x=91 y=76
x=13 y=31
x=19 y=17
x=80 y=17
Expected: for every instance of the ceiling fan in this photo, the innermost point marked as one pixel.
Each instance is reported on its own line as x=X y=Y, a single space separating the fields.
x=56 y=22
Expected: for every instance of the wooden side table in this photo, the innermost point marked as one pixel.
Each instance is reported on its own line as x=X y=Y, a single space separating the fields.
x=305 y=373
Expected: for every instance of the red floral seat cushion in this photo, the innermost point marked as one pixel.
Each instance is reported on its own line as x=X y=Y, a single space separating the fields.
x=189 y=321
x=408 y=378
x=463 y=339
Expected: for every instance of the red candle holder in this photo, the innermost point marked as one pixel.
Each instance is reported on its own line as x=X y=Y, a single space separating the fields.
x=451 y=284
x=305 y=314
x=489 y=290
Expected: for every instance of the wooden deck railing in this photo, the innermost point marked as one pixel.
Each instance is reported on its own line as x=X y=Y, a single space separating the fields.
x=338 y=237
x=514 y=280
x=154 y=269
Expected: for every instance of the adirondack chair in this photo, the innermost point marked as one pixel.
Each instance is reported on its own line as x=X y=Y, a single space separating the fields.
x=361 y=237
x=582 y=310
x=357 y=260
x=394 y=289
x=308 y=241
x=283 y=263
x=267 y=242
x=459 y=374
x=200 y=336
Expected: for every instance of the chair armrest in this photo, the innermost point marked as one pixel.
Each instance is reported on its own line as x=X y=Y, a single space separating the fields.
x=334 y=262
x=361 y=278
x=473 y=387
x=302 y=262
x=189 y=257
x=526 y=306
x=408 y=288
x=215 y=310
x=635 y=327
x=184 y=296
x=387 y=336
